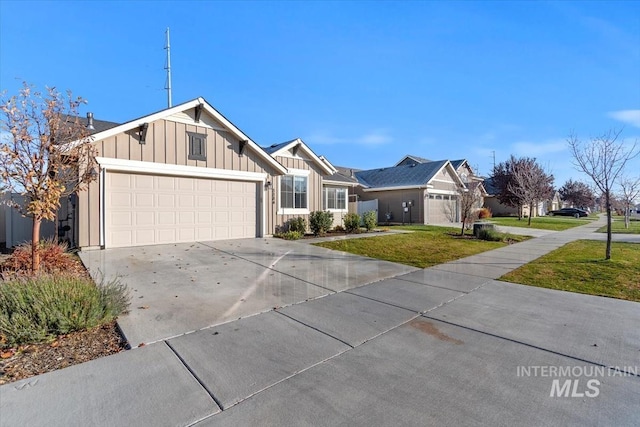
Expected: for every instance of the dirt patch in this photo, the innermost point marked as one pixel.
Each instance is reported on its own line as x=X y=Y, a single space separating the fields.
x=430 y=329
x=67 y=350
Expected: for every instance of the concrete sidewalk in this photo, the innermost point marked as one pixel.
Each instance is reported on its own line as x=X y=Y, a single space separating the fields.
x=448 y=345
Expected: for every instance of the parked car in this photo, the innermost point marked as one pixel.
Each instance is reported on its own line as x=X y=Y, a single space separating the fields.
x=574 y=212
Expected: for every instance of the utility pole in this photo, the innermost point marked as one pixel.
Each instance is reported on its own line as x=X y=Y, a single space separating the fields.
x=168 y=68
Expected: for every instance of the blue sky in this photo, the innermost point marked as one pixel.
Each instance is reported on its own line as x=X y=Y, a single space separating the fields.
x=363 y=83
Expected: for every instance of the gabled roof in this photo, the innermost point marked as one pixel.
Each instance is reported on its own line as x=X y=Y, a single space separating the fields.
x=457 y=163
x=162 y=114
x=414 y=175
x=412 y=159
x=343 y=175
x=489 y=186
x=281 y=148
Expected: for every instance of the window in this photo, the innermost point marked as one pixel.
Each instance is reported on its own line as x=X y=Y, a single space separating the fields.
x=293 y=192
x=197 y=146
x=335 y=198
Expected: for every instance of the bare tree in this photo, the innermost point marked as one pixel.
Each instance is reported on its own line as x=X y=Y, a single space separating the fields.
x=577 y=193
x=470 y=199
x=629 y=191
x=502 y=177
x=530 y=183
x=46 y=154
x=603 y=159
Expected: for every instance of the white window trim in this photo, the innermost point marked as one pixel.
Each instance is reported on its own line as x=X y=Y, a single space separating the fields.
x=293 y=211
x=346 y=200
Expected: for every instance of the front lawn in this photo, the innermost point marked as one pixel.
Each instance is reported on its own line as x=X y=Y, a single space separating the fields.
x=617 y=226
x=555 y=223
x=424 y=247
x=580 y=267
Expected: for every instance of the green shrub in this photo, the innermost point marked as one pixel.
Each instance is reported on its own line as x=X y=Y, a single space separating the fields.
x=290 y=235
x=298 y=224
x=351 y=222
x=40 y=308
x=489 y=235
x=338 y=229
x=370 y=219
x=320 y=222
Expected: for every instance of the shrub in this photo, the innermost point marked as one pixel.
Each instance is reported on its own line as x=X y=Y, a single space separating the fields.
x=370 y=219
x=489 y=235
x=352 y=222
x=40 y=308
x=290 y=235
x=484 y=213
x=338 y=229
x=54 y=259
x=298 y=224
x=320 y=222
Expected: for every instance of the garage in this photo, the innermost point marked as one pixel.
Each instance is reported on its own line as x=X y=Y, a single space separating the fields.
x=442 y=208
x=145 y=209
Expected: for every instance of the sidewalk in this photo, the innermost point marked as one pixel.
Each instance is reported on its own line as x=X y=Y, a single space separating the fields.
x=436 y=346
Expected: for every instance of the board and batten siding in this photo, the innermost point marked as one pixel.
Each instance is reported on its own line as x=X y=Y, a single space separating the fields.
x=314 y=188
x=167 y=142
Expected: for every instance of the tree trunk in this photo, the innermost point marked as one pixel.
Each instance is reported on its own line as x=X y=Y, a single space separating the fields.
x=530 y=213
x=463 y=221
x=627 y=216
x=608 y=250
x=35 y=241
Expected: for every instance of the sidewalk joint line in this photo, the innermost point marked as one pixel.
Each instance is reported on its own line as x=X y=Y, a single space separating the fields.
x=616 y=368
x=196 y=377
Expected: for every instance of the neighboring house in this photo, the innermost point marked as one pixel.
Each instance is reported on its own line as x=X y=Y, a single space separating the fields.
x=412 y=191
x=188 y=174
x=338 y=191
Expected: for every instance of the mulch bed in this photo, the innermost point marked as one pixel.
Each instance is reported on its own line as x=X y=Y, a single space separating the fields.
x=67 y=350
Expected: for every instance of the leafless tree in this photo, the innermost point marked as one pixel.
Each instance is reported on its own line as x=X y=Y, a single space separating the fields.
x=603 y=159
x=629 y=192
x=470 y=199
x=45 y=154
x=531 y=184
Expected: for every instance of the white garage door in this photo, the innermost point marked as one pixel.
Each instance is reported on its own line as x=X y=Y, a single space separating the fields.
x=441 y=209
x=151 y=209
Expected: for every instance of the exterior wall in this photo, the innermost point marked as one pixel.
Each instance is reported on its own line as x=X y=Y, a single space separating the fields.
x=391 y=201
x=17 y=229
x=498 y=209
x=314 y=190
x=3 y=219
x=167 y=142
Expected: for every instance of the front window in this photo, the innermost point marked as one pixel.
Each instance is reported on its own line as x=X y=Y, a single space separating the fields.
x=293 y=192
x=335 y=198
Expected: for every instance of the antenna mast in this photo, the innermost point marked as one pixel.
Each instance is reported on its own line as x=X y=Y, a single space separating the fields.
x=168 y=68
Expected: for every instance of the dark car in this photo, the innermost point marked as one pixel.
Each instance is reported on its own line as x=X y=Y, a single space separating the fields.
x=574 y=212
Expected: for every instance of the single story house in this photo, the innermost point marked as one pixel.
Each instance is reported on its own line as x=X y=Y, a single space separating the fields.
x=188 y=174
x=413 y=191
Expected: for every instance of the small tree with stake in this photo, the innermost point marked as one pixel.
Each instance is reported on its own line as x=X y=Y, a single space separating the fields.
x=603 y=159
x=45 y=154
x=629 y=191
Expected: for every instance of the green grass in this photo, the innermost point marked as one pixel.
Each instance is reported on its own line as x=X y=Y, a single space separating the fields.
x=426 y=246
x=580 y=267
x=556 y=223
x=617 y=226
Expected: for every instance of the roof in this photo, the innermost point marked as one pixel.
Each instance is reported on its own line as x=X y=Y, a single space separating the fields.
x=411 y=159
x=98 y=125
x=457 y=163
x=401 y=176
x=279 y=149
x=489 y=186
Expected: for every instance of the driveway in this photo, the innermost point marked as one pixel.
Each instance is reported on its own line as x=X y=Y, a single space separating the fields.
x=181 y=288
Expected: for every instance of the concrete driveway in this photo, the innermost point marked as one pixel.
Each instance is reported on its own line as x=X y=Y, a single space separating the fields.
x=180 y=288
